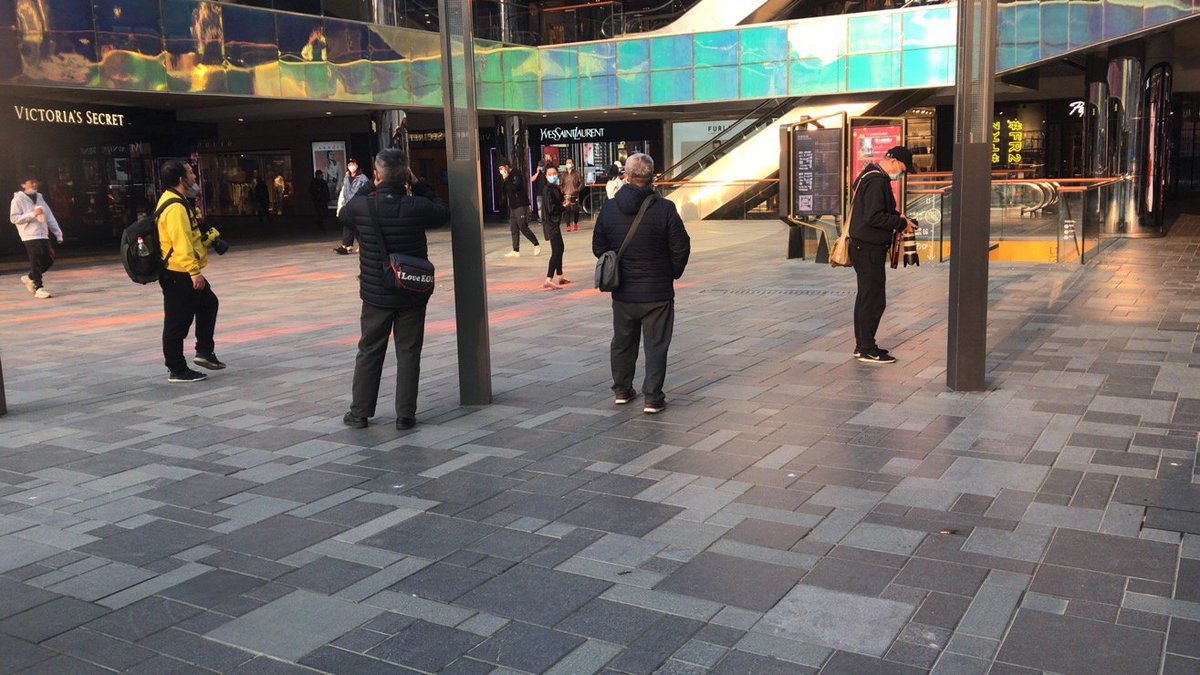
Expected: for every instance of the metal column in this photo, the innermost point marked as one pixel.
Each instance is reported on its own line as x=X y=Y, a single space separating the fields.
x=970 y=221
x=466 y=222
x=1125 y=137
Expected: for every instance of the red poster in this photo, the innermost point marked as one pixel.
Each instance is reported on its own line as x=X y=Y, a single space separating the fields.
x=869 y=143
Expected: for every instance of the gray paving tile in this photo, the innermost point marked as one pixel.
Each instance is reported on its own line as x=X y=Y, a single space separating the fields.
x=425 y=646
x=441 y=582
x=533 y=594
x=836 y=619
x=150 y=542
x=621 y=515
x=613 y=622
x=429 y=536
x=46 y=620
x=277 y=537
x=525 y=647
x=327 y=575
x=142 y=618
x=1114 y=555
x=732 y=581
x=199 y=489
x=212 y=588
x=294 y=625
x=1069 y=645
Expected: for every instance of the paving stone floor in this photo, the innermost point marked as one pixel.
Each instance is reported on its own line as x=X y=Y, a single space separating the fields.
x=792 y=511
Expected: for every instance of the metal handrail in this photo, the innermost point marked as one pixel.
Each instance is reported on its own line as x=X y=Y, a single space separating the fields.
x=732 y=133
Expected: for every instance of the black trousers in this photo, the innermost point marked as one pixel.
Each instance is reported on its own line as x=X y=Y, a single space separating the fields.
x=518 y=223
x=407 y=328
x=182 y=304
x=556 y=255
x=653 y=323
x=348 y=235
x=871 y=299
x=322 y=210
x=41 y=258
x=571 y=213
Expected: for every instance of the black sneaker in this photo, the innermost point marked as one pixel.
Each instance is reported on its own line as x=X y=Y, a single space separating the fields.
x=186 y=375
x=209 y=361
x=654 y=408
x=859 y=350
x=876 y=356
x=626 y=397
x=405 y=423
x=352 y=420
x=342 y=250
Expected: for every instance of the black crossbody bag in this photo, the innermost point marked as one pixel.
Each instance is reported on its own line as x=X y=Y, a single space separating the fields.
x=401 y=273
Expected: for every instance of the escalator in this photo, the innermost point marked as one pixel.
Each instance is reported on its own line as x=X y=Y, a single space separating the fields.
x=738 y=169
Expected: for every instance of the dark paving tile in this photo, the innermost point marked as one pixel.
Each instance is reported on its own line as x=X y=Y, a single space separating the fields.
x=150 y=542
x=525 y=647
x=616 y=484
x=212 y=588
x=187 y=516
x=1170 y=519
x=425 y=646
x=732 y=581
x=247 y=564
x=1187 y=586
x=942 y=610
x=766 y=533
x=621 y=515
x=774 y=497
x=1180 y=665
x=65 y=664
x=99 y=649
x=1112 y=554
x=605 y=449
x=277 y=537
x=462 y=488
x=511 y=545
x=610 y=621
x=197 y=650
x=17 y=597
x=307 y=486
x=327 y=575
x=744 y=663
x=38 y=457
x=847 y=663
x=469 y=666
x=429 y=536
x=948 y=577
x=1173 y=495
x=712 y=464
x=850 y=576
x=352 y=514
x=1066 y=582
x=17 y=654
x=199 y=489
x=142 y=618
x=441 y=582
x=49 y=619
x=1073 y=646
x=656 y=645
x=267 y=666
x=534 y=594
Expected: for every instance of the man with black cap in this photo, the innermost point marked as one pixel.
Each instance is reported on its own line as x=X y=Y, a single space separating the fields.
x=873 y=223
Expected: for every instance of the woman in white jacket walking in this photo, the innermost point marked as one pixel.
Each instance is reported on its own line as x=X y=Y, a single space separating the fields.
x=35 y=223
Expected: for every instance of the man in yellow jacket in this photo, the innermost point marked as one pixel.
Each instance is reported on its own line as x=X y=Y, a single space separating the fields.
x=187 y=295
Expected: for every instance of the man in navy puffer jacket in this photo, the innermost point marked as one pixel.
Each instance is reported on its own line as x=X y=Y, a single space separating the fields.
x=644 y=305
x=406 y=208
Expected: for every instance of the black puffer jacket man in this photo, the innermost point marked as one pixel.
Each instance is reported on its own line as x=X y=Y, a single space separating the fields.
x=645 y=302
x=406 y=208
x=873 y=223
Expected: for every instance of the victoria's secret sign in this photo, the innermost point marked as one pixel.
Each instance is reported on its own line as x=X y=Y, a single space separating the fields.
x=69 y=116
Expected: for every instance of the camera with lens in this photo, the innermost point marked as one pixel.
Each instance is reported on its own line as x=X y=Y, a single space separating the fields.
x=212 y=238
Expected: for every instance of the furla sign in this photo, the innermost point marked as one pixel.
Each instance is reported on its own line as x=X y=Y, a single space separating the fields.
x=90 y=118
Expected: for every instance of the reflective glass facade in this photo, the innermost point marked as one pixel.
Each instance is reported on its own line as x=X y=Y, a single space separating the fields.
x=195 y=46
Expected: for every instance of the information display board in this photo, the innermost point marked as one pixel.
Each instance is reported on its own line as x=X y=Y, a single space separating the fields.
x=817 y=172
x=869 y=144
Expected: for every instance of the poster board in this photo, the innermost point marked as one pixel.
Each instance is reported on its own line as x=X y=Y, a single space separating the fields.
x=330 y=157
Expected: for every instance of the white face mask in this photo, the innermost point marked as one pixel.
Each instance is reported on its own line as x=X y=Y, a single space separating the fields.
x=31 y=192
x=503 y=173
x=193 y=191
x=352 y=168
x=570 y=167
x=896 y=176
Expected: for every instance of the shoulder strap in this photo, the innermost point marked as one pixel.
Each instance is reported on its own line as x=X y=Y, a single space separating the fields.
x=163 y=207
x=633 y=228
x=373 y=207
x=853 y=192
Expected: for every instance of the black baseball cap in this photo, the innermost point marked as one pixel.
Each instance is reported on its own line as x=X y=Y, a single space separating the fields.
x=901 y=154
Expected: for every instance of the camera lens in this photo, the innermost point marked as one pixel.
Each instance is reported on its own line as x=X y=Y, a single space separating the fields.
x=220 y=246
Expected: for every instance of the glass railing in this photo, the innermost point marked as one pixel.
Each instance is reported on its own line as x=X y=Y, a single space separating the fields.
x=722 y=200
x=1052 y=220
x=197 y=46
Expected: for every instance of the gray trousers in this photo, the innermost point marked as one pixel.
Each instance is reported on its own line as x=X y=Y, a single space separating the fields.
x=653 y=324
x=407 y=327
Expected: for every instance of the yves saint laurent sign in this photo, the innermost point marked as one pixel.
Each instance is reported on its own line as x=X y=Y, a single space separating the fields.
x=560 y=134
x=650 y=130
x=68 y=116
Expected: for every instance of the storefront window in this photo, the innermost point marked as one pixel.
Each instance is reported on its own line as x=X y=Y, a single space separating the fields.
x=247 y=184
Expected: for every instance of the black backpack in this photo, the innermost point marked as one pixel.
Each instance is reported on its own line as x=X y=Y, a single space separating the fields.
x=145 y=266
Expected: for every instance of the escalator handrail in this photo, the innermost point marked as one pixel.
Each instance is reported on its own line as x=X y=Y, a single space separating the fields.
x=704 y=151
x=730 y=141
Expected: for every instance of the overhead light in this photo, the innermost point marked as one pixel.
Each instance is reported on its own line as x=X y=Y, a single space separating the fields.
x=328 y=112
x=241 y=119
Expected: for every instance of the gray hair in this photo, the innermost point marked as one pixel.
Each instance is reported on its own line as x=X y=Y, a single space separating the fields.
x=639 y=168
x=391 y=166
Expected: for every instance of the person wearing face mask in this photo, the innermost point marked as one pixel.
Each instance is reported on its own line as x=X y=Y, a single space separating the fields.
x=35 y=222
x=874 y=221
x=516 y=191
x=572 y=187
x=353 y=182
x=187 y=295
x=551 y=227
x=539 y=185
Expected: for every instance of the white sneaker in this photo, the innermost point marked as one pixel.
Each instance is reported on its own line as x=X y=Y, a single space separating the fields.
x=42 y=294
x=537 y=250
x=28 y=284
x=513 y=254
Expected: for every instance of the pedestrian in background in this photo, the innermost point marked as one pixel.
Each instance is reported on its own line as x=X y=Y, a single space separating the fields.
x=353 y=182
x=874 y=221
x=318 y=193
x=644 y=304
x=572 y=188
x=615 y=182
x=516 y=192
x=405 y=208
x=553 y=202
x=35 y=222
